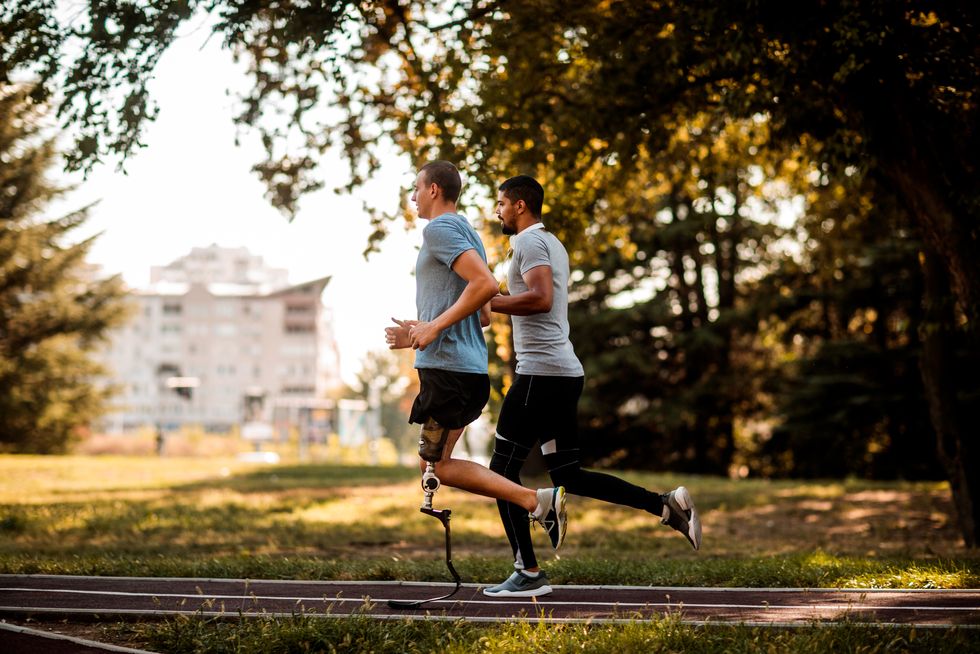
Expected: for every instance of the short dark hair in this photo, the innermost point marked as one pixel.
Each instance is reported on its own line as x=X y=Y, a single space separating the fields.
x=525 y=187
x=444 y=175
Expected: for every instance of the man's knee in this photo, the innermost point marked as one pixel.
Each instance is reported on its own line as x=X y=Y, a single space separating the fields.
x=565 y=470
x=498 y=463
x=567 y=479
x=508 y=458
x=432 y=441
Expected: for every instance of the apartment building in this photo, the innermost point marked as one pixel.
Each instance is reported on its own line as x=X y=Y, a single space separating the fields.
x=223 y=320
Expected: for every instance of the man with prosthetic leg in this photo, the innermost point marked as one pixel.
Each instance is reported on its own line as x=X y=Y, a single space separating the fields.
x=453 y=289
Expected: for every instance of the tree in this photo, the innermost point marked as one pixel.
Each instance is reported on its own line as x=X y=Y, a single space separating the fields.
x=848 y=395
x=893 y=80
x=659 y=326
x=53 y=312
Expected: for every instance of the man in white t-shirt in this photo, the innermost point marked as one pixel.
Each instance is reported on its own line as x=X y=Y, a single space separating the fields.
x=542 y=404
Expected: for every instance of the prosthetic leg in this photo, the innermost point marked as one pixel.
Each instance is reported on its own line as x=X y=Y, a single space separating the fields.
x=431 y=445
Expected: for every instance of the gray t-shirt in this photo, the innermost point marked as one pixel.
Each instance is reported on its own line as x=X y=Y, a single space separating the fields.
x=541 y=340
x=460 y=347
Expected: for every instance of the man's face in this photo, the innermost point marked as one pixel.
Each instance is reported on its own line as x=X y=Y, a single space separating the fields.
x=423 y=196
x=507 y=214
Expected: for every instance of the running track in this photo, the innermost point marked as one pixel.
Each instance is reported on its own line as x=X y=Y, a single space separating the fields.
x=132 y=597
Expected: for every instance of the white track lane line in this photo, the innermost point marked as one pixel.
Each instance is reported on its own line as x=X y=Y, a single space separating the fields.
x=537 y=618
x=249 y=582
x=513 y=602
x=84 y=642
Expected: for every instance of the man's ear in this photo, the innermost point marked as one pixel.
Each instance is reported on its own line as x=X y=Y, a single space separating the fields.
x=520 y=206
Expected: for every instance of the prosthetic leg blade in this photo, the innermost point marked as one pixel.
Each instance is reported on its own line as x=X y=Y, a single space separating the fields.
x=443 y=515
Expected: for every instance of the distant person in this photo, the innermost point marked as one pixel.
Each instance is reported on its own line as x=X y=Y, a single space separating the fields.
x=542 y=404
x=453 y=287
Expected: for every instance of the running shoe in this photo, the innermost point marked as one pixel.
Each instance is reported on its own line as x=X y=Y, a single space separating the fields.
x=520 y=584
x=679 y=513
x=551 y=513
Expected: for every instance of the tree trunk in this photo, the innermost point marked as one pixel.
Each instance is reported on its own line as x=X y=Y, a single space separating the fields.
x=948 y=236
x=953 y=422
x=913 y=161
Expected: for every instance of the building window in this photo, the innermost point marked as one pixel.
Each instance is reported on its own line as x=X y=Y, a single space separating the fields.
x=301 y=328
x=297 y=350
x=172 y=309
x=298 y=390
x=225 y=329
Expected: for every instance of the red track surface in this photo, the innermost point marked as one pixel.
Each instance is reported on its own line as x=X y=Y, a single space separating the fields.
x=128 y=597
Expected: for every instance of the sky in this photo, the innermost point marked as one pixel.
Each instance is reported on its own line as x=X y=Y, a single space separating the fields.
x=192 y=187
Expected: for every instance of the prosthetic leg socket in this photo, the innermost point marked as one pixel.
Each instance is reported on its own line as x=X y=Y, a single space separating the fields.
x=432 y=442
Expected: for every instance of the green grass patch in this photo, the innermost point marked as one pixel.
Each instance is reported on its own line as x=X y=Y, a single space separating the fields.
x=795 y=571
x=360 y=634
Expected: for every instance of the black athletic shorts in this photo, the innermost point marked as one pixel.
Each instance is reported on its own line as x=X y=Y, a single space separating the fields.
x=453 y=399
x=541 y=408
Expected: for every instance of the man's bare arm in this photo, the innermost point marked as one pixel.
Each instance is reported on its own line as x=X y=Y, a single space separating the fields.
x=536 y=299
x=480 y=287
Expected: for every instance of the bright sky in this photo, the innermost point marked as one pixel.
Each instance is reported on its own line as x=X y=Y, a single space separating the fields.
x=191 y=186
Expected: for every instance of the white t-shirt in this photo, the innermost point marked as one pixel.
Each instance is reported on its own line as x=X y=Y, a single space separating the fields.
x=541 y=340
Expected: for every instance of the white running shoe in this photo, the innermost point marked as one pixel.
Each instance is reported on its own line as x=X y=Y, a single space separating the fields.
x=679 y=513
x=520 y=584
x=551 y=513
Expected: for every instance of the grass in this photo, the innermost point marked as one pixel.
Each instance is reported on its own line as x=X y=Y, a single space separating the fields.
x=667 y=635
x=223 y=518
x=218 y=517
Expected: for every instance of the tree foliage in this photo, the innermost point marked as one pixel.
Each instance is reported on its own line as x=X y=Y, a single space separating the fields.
x=53 y=312
x=657 y=323
x=846 y=313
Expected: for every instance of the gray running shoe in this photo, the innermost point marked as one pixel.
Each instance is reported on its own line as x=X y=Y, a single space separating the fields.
x=521 y=585
x=679 y=513
x=551 y=513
